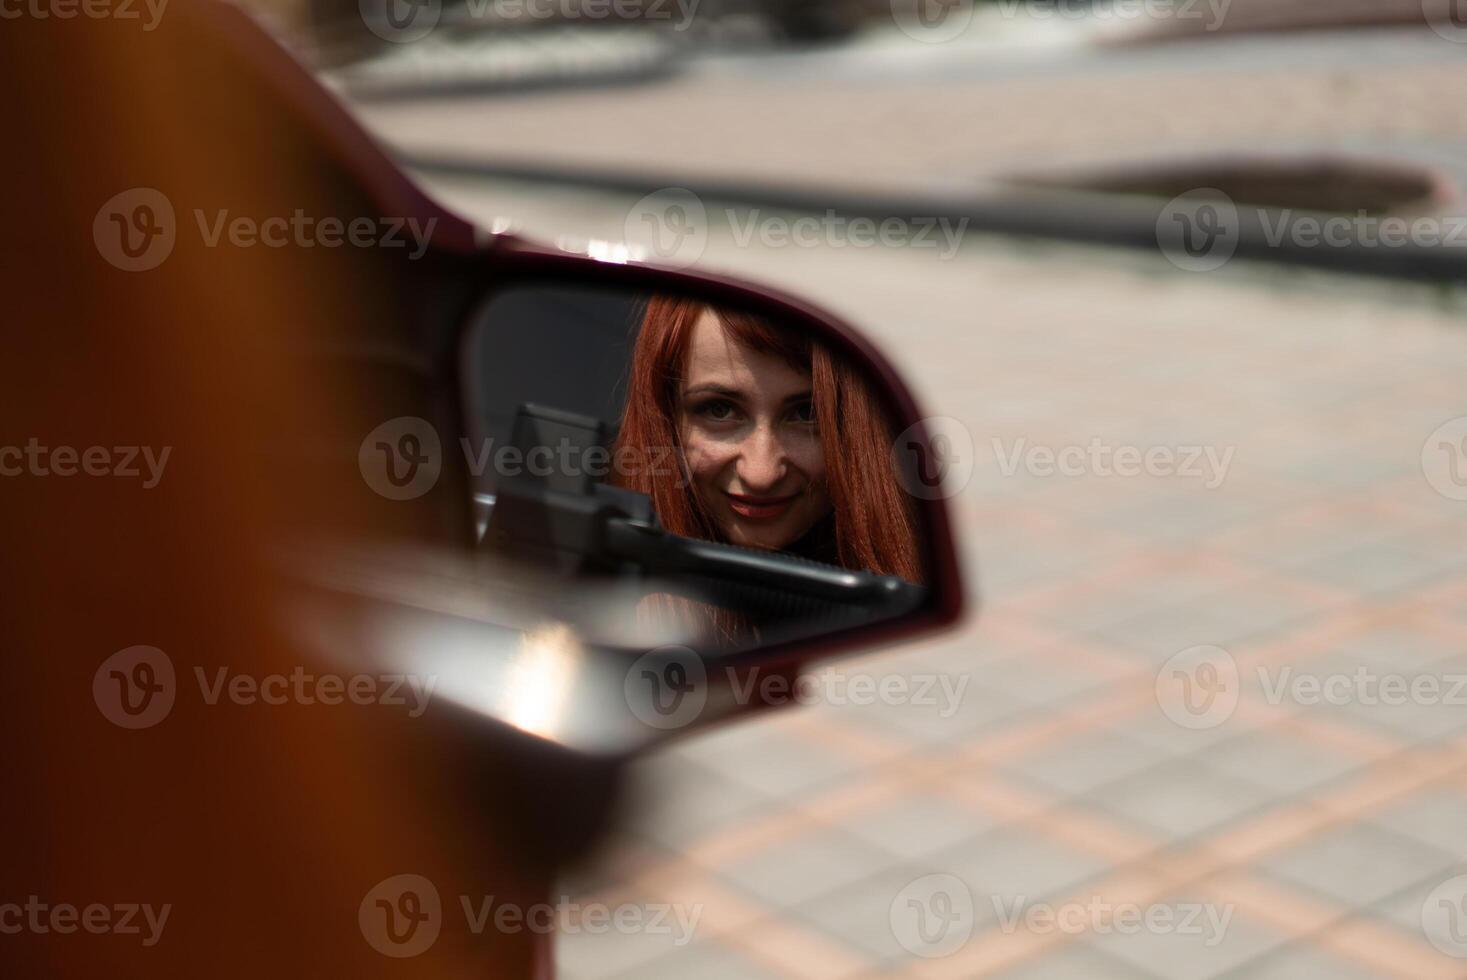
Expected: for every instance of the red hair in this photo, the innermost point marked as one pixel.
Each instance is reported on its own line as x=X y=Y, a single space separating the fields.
x=874 y=519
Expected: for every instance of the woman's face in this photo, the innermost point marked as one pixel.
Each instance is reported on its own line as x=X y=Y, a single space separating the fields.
x=747 y=424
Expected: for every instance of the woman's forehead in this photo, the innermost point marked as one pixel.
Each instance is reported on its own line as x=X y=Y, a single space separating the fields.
x=716 y=357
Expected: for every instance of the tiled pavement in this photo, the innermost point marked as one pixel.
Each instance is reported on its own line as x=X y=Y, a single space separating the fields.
x=1083 y=766
x=918 y=120
x=1315 y=830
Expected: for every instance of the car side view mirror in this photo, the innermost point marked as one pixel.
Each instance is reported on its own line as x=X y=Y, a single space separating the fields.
x=568 y=490
x=678 y=486
x=733 y=459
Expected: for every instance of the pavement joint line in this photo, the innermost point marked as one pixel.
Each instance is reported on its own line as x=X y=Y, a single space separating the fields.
x=1301 y=916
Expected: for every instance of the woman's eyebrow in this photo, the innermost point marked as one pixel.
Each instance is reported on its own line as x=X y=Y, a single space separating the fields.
x=713 y=389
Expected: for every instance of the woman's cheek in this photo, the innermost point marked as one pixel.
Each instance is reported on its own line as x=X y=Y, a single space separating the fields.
x=809 y=456
x=704 y=457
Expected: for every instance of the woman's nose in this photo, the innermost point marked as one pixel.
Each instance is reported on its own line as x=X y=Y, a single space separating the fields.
x=762 y=462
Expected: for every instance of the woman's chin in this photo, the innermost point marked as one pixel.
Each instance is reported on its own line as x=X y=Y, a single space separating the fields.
x=762 y=538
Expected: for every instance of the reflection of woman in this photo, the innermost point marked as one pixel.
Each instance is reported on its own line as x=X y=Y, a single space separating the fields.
x=781 y=444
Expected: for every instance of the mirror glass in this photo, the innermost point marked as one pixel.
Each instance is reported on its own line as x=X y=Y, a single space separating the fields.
x=659 y=469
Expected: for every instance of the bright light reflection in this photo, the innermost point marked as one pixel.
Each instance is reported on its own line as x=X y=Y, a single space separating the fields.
x=537 y=680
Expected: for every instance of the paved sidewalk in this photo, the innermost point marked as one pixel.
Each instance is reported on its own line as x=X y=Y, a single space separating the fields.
x=1182 y=702
x=950 y=120
x=1074 y=770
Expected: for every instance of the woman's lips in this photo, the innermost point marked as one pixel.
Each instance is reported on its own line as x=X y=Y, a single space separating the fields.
x=759 y=508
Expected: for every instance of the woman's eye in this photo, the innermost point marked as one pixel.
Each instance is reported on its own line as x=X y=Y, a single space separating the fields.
x=803 y=412
x=718 y=410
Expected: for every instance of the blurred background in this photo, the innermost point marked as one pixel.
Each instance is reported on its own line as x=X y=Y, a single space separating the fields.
x=1221 y=683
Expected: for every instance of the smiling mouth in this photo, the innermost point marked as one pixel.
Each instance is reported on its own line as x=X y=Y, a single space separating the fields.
x=760 y=508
